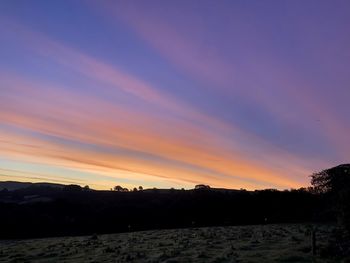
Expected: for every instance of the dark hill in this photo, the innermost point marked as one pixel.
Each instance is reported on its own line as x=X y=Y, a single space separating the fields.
x=43 y=210
x=12 y=185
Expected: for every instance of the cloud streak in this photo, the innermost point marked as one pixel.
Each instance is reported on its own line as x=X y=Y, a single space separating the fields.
x=105 y=119
x=84 y=126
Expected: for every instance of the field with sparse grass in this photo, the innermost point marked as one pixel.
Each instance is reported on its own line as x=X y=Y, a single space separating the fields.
x=257 y=243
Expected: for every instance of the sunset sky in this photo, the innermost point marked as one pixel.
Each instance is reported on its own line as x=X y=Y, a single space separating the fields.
x=234 y=94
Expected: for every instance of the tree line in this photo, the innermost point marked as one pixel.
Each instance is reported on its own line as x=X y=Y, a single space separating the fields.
x=39 y=211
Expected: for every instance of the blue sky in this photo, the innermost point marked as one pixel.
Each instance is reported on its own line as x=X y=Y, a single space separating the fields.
x=250 y=94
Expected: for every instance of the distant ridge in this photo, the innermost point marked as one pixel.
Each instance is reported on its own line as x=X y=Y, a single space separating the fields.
x=12 y=185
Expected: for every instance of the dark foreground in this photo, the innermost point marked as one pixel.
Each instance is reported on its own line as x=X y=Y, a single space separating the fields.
x=259 y=243
x=43 y=211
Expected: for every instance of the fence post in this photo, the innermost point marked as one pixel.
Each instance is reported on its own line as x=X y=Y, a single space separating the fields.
x=313 y=241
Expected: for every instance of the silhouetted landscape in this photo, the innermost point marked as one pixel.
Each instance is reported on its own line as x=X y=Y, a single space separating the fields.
x=40 y=210
x=174 y=131
x=43 y=210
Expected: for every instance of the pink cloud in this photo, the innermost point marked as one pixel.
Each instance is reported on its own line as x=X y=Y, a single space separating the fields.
x=51 y=110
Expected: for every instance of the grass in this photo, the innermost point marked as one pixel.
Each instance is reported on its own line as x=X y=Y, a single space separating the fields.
x=264 y=243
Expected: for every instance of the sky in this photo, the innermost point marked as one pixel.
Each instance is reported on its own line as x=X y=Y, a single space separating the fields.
x=234 y=94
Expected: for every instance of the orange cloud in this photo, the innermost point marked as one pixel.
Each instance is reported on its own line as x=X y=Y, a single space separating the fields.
x=192 y=148
x=138 y=132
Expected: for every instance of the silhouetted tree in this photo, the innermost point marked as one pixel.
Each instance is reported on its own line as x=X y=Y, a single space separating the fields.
x=140 y=188
x=118 y=188
x=135 y=189
x=86 y=188
x=334 y=184
x=332 y=180
x=201 y=186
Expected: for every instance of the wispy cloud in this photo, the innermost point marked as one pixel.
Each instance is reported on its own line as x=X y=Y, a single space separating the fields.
x=264 y=79
x=163 y=137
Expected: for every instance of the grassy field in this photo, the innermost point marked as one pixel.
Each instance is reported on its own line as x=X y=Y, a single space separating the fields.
x=260 y=243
